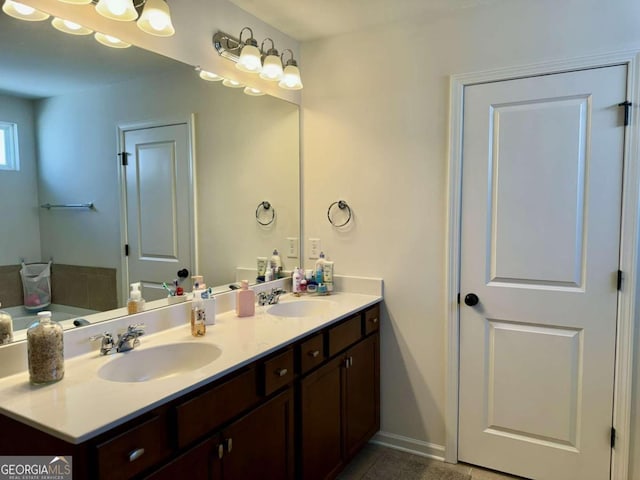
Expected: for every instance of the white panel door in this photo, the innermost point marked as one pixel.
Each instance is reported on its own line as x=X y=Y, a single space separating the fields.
x=158 y=206
x=541 y=205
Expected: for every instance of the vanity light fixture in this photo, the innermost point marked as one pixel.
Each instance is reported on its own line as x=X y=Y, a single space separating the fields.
x=252 y=60
x=250 y=57
x=23 y=12
x=156 y=19
x=272 y=65
x=121 y=10
x=110 y=41
x=70 y=27
x=291 y=76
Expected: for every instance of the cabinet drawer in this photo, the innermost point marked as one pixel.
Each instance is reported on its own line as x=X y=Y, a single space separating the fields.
x=311 y=352
x=345 y=334
x=203 y=413
x=277 y=372
x=372 y=319
x=135 y=450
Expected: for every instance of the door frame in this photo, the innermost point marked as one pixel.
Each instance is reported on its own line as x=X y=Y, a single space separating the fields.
x=122 y=128
x=629 y=239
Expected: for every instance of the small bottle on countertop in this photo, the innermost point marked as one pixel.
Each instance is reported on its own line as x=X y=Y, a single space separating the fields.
x=296 y=280
x=276 y=264
x=198 y=315
x=245 y=300
x=45 y=350
x=327 y=275
x=6 y=328
x=136 y=302
x=319 y=269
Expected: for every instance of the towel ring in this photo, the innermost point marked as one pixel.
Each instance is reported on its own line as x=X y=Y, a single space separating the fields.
x=341 y=205
x=265 y=206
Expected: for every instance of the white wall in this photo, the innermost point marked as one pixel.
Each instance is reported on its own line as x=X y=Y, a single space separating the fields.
x=19 y=231
x=247 y=150
x=375 y=118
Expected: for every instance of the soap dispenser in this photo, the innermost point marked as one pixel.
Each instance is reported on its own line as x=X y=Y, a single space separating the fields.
x=45 y=350
x=245 y=300
x=6 y=328
x=136 y=302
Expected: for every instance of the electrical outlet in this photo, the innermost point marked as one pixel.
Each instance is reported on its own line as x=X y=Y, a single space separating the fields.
x=314 y=248
x=292 y=247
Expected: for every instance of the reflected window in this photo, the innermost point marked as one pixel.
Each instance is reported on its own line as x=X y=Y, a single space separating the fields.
x=9 y=146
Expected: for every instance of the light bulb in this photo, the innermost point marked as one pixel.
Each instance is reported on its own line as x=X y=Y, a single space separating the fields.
x=232 y=83
x=23 y=12
x=156 y=19
x=70 y=27
x=272 y=68
x=291 y=78
x=122 y=10
x=209 y=76
x=111 y=41
x=254 y=92
x=249 y=60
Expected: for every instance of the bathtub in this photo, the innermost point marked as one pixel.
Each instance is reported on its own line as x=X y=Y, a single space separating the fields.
x=23 y=318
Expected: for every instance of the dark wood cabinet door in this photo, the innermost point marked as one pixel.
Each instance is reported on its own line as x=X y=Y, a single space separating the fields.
x=260 y=444
x=361 y=395
x=321 y=427
x=198 y=463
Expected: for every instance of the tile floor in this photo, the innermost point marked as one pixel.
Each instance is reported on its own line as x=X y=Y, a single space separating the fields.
x=371 y=453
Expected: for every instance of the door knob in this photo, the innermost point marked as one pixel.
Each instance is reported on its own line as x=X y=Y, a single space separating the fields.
x=471 y=299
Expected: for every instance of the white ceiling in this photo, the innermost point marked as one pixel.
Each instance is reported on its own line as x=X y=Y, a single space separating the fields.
x=306 y=20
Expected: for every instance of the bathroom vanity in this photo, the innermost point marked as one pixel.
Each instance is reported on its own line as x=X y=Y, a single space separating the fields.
x=300 y=409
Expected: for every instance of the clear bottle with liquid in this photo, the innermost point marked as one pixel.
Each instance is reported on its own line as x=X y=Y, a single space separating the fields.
x=6 y=328
x=136 y=302
x=45 y=350
x=198 y=315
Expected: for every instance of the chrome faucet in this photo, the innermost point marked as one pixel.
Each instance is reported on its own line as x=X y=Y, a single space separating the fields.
x=126 y=341
x=270 y=298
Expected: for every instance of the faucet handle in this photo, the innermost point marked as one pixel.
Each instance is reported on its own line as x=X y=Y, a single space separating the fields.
x=106 y=336
x=137 y=328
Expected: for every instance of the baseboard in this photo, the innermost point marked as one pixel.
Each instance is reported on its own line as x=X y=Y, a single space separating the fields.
x=409 y=445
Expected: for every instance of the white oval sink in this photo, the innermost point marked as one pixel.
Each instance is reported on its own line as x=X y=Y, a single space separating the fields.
x=301 y=308
x=159 y=362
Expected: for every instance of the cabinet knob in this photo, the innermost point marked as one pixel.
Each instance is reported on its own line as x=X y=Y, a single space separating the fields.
x=281 y=372
x=229 y=444
x=314 y=353
x=136 y=454
x=220 y=451
x=374 y=320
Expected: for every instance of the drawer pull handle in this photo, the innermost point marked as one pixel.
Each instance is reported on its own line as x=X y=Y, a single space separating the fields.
x=229 y=445
x=220 y=451
x=281 y=372
x=314 y=353
x=374 y=320
x=136 y=454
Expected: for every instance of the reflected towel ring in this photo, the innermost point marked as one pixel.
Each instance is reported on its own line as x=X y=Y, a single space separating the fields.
x=341 y=205
x=265 y=206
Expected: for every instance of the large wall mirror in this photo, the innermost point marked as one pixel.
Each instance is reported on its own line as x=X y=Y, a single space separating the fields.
x=74 y=103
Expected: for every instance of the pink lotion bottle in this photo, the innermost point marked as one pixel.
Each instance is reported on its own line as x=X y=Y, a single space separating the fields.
x=245 y=300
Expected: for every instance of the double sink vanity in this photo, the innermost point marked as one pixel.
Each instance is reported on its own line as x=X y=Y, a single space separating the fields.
x=292 y=392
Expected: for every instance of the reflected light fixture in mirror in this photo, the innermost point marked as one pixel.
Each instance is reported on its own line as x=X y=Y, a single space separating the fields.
x=111 y=41
x=232 y=83
x=76 y=2
x=70 y=27
x=209 y=76
x=23 y=12
x=254 y=92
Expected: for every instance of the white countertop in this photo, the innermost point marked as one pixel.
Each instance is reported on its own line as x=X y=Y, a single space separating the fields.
x=83 y=405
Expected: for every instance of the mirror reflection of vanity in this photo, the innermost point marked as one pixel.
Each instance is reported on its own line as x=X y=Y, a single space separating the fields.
x=245 y=151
